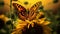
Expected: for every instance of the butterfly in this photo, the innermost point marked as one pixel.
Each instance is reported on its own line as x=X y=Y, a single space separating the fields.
x=25 y=14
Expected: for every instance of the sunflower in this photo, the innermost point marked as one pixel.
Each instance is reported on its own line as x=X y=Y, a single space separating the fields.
x=22 y=25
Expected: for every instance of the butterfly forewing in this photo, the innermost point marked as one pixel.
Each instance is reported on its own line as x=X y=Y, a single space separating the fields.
x=21 y=11
x=33 y=10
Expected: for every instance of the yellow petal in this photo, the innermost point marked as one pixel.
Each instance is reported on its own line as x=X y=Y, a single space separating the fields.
x=46 y=23
x=32 y=24
x=20 y=24
x=42 y=20
x=28 y=26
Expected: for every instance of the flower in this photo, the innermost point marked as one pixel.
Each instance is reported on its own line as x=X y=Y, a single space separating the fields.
x=41 y=22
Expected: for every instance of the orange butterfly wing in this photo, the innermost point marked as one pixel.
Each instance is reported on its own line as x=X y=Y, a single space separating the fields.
x=21 y=11
x=33 y=10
